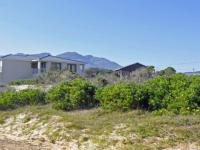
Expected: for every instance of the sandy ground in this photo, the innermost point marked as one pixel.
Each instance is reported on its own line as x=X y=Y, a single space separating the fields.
x=13 y=136
x=10 y=142
x=7 y=144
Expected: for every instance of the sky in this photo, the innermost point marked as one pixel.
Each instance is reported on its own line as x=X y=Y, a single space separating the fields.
x=153 y=32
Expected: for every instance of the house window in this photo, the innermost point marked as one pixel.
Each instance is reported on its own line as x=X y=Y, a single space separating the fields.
x=43 y=66
x=55 y=66
x=34 y=66
x=1 y=65
x=81 y=67
x=72 y=67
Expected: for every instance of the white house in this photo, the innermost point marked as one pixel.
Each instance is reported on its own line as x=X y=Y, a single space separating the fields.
x=14 y=67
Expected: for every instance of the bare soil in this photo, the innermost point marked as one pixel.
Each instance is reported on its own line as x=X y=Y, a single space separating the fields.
x=7 y=144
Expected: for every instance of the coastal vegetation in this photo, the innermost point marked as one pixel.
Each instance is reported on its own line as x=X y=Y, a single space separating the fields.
x=169 y=92
x=159 y=112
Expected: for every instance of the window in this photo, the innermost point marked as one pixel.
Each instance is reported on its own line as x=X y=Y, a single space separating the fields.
x=1 y=65
x=34 y=65
x=55 y=66
x=72 y=67
x=81 y=67
x=43 y=66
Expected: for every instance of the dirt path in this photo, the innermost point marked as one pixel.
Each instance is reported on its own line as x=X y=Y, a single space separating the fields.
x=7 y=144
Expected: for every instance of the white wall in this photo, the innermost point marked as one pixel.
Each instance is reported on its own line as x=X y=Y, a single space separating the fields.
x=15 y=69
x=79 y=69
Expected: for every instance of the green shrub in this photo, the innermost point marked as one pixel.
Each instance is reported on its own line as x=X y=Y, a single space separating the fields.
x=30 y=97
x=119 y=96
x=142 y=97
x=177 y=96
x=193 y=94
x=101 y=81
x=12 y=99
x=157 y=89
x=7 y=99
x=75 y=94
x=176 y=93
x=23 y=82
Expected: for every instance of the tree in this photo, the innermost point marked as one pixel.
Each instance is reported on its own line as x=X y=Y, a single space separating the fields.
x=150 y=71
x=167 y=72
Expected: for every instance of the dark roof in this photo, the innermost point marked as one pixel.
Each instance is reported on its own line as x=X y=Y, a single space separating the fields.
x=132 y=67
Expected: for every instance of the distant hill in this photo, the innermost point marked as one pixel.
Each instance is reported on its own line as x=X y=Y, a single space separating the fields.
x=192 y=73
x=91 y=61
x=38 y=55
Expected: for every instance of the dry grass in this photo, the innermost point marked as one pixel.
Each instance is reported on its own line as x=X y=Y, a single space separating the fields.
x=106 y=129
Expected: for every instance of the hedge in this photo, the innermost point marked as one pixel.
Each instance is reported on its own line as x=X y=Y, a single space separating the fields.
x=23 y=82
x=118 y=96
x=70 y=95
x=177 y=93
x=11 y=99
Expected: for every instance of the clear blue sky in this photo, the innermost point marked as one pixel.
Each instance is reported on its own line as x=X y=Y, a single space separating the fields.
x=157 y=32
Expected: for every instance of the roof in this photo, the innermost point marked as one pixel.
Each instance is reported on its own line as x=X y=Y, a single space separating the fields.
x=37 y=58
x=132 y=67
x=60 y=59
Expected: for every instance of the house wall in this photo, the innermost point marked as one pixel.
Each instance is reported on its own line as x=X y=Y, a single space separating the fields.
x=80 y=70
x=48 y=67
x=14 y=70
x=123 y=74
x=17 y=69
x=1 y=63
x=1 y=77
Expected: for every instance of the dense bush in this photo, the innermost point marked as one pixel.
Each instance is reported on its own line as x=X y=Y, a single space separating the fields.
x=177 y=93
x=30 y=97
x=193 y=93
x=11 y=99
x=75 y=94
x=7 y=99
x=142 y=97
x=118 y=96
x=157 y=89
x=23 y=82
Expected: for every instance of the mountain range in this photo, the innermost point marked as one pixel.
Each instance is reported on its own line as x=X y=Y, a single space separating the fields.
x=89 y=60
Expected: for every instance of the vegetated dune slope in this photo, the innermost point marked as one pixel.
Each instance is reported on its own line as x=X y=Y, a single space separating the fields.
x=41 y=127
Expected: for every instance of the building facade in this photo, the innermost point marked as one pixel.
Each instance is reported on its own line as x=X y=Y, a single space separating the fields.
x=129 y=70
x=14 y=67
